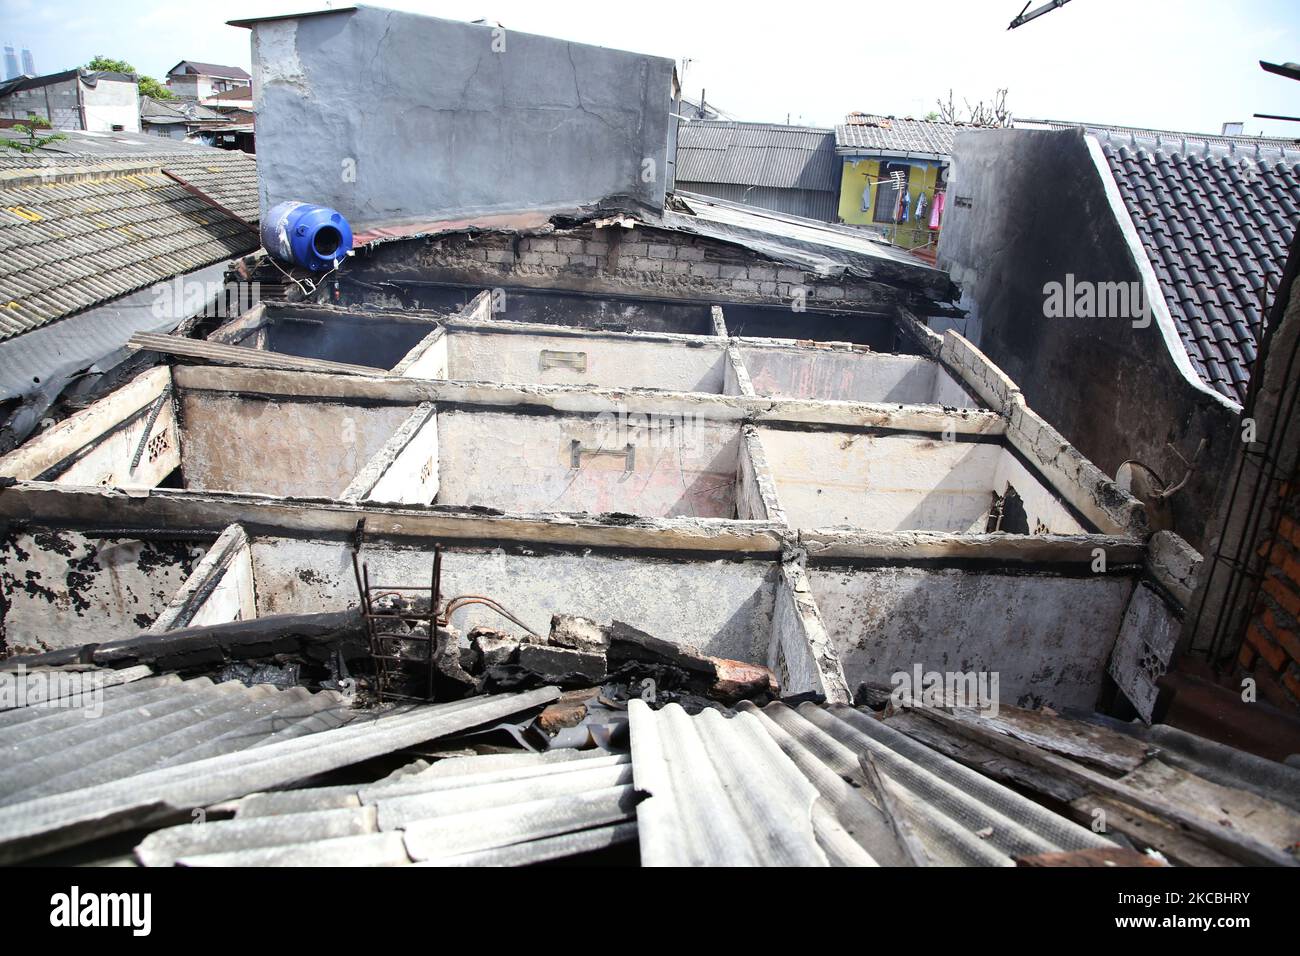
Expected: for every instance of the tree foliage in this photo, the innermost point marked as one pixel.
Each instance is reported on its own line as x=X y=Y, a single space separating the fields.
x=31 y=129
x=148 y=85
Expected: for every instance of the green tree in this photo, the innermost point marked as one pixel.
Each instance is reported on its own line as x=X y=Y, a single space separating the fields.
x=30 y=130
x=148 y=85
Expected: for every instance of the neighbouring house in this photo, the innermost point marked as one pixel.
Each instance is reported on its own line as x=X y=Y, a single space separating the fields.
x=92 y=227
x=201 y=80
x=75 y=99
x=236 y=107
x=179 y=118
x=789 y=169
x=699 y=109
x=894 y=175
x=1230 y=138
x=1122 y=279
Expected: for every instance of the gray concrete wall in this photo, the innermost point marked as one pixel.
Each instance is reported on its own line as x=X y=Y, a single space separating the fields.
x=305 y=448
x=522 y=463
x=437 y=116
x=853 y=375
x=1025 y=208
x=723 y=608
x=615 y=360
x=1047 y=637
x=901 y=482
x=56 y=102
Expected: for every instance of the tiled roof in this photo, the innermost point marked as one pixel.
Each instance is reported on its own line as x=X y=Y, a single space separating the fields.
x=212 y=69
x=757 y=154
x=891 y=134
x=1258 y=147
x=81 y=232
x=228 y=177
x=1216 y=229
x=176 y=110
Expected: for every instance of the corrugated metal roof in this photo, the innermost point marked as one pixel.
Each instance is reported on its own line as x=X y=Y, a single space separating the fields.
x=227 y=177
x=757 y=154
x=71 y=242
x=874 y=133
x=782 y=786
x=505 y=809
x=162 y=783
x=807 y=203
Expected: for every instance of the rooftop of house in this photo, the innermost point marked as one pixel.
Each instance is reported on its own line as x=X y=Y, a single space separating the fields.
x=177 y=110
x=1259 y=147
x=892 y=134
x=89 y=77
x=757 y=154
x=80 y=230
x=195 y=68
x=1216 y=228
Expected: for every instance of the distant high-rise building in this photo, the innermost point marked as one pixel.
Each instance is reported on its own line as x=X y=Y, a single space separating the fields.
x=29 y=62
x=11 y=63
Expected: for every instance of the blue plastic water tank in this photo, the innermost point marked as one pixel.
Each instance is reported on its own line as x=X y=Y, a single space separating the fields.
x=302 y=234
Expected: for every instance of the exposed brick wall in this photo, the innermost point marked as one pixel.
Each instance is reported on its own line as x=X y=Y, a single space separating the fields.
x=1271 y=650
x=613 y=260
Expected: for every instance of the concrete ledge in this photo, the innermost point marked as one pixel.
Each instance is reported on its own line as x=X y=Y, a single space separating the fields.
x=1174 y=564
x=45 y=502
x=844 y=544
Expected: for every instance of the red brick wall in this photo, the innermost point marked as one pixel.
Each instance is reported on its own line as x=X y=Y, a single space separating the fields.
x=1271 y=650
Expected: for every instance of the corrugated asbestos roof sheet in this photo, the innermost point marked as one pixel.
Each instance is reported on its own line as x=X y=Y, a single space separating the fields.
x=870 y=132
x=786 y=786
x=229 y=178
x=507 y=809
x=1217 y=231
x=82 y=232
x=757 y=154
x=177 y=745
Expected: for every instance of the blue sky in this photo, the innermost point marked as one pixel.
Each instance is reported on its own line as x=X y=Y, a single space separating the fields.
x=1176 y=65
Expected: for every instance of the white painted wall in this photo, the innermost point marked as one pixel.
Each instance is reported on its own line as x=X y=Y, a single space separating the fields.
x=219 y=591
x=112 y=103
x=88 y=426
x=428 y=359
x=108 y=464
x=899 y=482
x=412 y=477
x=615 y=361
x=524 y=463
x=855 y=376
x=1047 y=637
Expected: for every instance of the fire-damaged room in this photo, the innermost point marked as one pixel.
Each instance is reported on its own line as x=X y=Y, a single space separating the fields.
x=551 y=498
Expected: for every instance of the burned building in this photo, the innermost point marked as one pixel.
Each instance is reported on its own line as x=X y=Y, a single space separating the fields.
x=668 y=499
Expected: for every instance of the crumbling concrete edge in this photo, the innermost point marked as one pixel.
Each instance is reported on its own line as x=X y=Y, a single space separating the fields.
x=369 y=476
x=188 y=598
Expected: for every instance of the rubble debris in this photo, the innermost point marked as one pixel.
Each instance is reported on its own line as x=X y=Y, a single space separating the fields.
x=569 y=711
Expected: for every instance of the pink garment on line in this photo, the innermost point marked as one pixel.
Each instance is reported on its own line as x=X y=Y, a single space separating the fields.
x=936 y=211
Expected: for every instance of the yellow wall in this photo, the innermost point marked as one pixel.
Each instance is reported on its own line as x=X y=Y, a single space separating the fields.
x=857 y=173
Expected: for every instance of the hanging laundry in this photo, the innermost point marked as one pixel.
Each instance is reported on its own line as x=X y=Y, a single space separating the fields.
x=919 y=213
x=936 y=210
